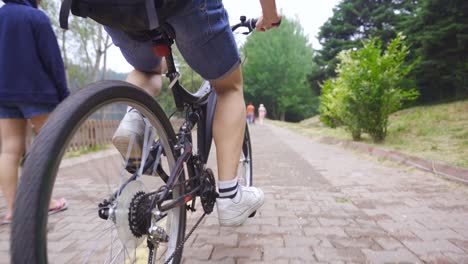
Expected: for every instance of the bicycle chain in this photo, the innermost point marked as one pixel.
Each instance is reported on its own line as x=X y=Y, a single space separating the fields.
x=181 y=245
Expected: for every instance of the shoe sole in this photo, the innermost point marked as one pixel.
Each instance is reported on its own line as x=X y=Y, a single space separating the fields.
x=247 y=214
x=121 y=143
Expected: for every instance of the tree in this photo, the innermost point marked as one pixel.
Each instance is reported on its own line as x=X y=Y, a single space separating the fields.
x=275 y=71
x=84 y=46
x=439 y=35
x=354 y=21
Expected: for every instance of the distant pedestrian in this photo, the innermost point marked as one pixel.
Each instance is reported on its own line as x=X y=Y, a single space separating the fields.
x=250 y=113
x=261 y=113
x=32 y=84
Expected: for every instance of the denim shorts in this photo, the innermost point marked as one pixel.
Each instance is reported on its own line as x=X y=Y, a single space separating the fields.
x=23 y=110
x=203 y=37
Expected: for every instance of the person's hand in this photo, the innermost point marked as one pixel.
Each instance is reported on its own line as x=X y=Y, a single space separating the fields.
x=266 y=23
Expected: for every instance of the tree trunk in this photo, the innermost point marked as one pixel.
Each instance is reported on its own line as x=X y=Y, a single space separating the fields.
x=104 y=67
x=65 y=58
x=282 y=115
x=99 y=53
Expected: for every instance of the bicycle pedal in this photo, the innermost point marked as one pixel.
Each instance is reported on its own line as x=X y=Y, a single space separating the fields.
x=253 y=214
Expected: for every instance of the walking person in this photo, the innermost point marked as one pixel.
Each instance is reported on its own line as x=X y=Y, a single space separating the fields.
x=250 y=113
x=261 y=113
x=32 y=84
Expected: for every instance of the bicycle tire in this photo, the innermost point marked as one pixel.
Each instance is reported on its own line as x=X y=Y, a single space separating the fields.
x=246 y=162
x=29 y=229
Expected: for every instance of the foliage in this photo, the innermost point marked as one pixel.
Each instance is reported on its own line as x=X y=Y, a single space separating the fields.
x=439 y=35
x=275 y=71
x=356 y=20
x=368 y=88
x=84 y=45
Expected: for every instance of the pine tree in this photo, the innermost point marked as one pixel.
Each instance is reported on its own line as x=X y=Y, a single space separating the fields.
x=354 y=21
x=439 y=34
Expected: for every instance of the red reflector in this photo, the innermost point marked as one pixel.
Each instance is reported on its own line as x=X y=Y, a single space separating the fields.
x=188 y=198
x=161 y=50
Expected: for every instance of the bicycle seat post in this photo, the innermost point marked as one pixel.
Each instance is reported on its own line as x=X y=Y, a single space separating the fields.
x=162 y=48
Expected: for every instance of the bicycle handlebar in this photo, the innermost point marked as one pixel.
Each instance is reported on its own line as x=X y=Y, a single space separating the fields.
x=250 y=24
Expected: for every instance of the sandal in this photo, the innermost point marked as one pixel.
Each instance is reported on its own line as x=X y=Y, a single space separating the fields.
x=61 y=206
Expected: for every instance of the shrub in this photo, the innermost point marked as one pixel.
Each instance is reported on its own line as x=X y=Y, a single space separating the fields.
x=367 y=88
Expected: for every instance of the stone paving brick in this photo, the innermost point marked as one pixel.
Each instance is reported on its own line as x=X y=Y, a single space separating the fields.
x=334 y=221
x=253 y=253
x=429 y=235
x=224 y=240
x=426 y=247
x=280 y=230
x=294 y=221
x=463 y=244
x=333 y=254
x=274 y=221
x=276 y=261
x=457 y=258
x=199 y=253
x=61 y=258
x=365 y=232
x=223 y=261
x=325 y=231
x=354 y=243
x=304 y=253
x=299 y=241
x=388 y=243
x=246 y=240
x=400 y=255
x=244 y=229
x=438 y=258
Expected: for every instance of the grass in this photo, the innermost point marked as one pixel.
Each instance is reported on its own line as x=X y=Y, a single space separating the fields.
x=437 y=132
x=87 y=150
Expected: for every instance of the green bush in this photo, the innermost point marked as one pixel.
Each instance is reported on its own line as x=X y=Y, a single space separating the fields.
x=367 y=88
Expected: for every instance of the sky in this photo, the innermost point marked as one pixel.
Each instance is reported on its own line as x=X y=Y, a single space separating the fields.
x=311 y=14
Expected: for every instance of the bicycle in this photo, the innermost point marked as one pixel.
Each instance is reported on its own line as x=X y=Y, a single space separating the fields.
x=151 y=195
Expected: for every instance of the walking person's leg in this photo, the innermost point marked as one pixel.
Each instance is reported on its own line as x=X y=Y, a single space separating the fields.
x=13 y=133
x=56 y=205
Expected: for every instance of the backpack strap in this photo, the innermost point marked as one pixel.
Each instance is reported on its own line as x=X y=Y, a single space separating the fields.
x=65 y=13
x=153 y=19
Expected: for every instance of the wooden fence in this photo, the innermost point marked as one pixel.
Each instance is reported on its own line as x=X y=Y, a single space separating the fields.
x=93 y=133
x=90 y=134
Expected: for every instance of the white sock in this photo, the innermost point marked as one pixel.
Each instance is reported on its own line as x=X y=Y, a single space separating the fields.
x=229 y=189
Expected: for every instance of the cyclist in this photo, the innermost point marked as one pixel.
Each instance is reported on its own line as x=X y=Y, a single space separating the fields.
x=206 y=42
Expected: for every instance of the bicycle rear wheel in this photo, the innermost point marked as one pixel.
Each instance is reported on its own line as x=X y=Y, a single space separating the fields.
x=72 y=157
x=245 y=168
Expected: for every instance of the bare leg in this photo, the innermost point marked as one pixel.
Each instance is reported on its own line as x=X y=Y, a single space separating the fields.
x=13 y=132
x=150 y=82
x=38 y=122
x=229 y=123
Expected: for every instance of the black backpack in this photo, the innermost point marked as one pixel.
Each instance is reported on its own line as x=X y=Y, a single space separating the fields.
x=138 y=18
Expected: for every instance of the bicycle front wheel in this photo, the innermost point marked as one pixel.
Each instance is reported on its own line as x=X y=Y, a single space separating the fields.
x=73 y=157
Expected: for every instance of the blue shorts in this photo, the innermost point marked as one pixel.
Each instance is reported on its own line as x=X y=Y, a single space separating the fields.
x=23 y=110
x=203 y=37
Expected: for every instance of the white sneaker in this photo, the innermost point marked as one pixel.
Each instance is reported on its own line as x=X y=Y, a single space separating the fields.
x=235 y=214
x=130 y=131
